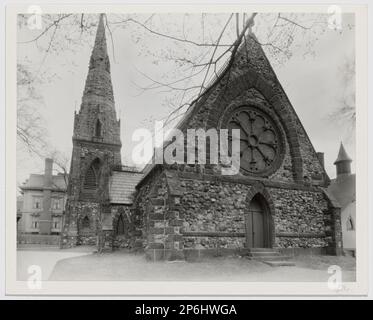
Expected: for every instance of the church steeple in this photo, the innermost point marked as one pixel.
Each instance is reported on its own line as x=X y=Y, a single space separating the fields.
x=96 y=148
x=343 y=162
x=97 y=120
x=99 y=79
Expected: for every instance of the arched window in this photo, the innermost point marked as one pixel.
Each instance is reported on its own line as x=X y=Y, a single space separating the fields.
x=85 y=222
x=120 y=225
x=84 y=225
x=98 y=128
x=92 y=175
x=350 y=224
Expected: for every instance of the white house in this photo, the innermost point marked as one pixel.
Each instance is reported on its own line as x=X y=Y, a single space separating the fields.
x=343 y=188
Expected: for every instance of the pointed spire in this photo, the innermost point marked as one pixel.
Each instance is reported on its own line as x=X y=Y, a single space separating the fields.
x=99 y=80
x=342 y=155
x=98 y=105
x=343 y=162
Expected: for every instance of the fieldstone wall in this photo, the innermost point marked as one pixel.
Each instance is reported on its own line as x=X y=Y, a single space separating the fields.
x=158 y=207
x=214 y=242
x=297 y=213
x=82 y=226
x=206 y=212
x=313 y=171
x=219 y=207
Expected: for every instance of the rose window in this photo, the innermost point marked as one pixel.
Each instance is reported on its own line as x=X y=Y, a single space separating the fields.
x=260 y=140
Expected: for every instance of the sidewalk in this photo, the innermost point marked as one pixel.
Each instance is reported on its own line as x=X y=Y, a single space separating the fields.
x=46 y=257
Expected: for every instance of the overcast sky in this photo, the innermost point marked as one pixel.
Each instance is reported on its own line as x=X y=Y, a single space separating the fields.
x=312 y=83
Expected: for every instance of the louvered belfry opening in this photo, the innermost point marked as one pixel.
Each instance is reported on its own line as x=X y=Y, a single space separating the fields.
x=92 y=176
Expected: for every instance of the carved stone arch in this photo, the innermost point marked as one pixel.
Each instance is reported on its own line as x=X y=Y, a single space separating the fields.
x=251 y=79
x=259 y=192
x=122 y=222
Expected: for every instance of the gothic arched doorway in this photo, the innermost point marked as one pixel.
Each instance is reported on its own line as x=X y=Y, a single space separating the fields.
x=257 y=224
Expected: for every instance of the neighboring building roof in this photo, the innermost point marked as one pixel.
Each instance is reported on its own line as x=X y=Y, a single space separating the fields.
x=122 y=186
x=343 y=189
x=36 y=181
x=342 y=155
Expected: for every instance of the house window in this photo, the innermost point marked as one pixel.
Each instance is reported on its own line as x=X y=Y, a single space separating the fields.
x=35 y=223
x=56 y=223
x=350 y=224
x=37 y=203
x=56 y=203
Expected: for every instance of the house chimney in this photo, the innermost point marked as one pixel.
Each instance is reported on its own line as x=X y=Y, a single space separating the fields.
x=343 y=162
x=48 y=169
x=320 y=156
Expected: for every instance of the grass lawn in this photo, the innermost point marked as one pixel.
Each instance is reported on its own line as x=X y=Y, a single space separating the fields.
x=129 y=266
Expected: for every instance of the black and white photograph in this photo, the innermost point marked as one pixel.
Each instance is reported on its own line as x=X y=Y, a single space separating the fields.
x=224 y=146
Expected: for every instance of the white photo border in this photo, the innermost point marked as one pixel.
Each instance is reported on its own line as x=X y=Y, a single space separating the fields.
x=187 y=288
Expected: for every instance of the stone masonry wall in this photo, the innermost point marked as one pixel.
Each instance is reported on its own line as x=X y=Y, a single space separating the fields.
x=219 y=207
x=153 y=188
x=158 y=206
x=83 y=223
x=312 y=168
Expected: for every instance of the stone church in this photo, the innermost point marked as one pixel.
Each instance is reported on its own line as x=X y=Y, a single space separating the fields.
x=278 y=200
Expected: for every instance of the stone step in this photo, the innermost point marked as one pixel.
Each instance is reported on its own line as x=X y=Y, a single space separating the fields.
x=279 y=263
x=264 y=253
x=271 y=258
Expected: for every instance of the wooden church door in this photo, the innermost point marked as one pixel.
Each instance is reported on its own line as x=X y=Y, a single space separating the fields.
x=255 y=224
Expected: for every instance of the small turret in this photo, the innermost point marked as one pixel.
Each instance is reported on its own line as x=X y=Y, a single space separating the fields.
x=343 y=162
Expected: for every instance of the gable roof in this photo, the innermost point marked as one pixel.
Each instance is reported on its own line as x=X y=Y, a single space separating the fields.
x=194 y=107
x=343 y=189
x=36 y=182
x=122 y=186
x=250 y=65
